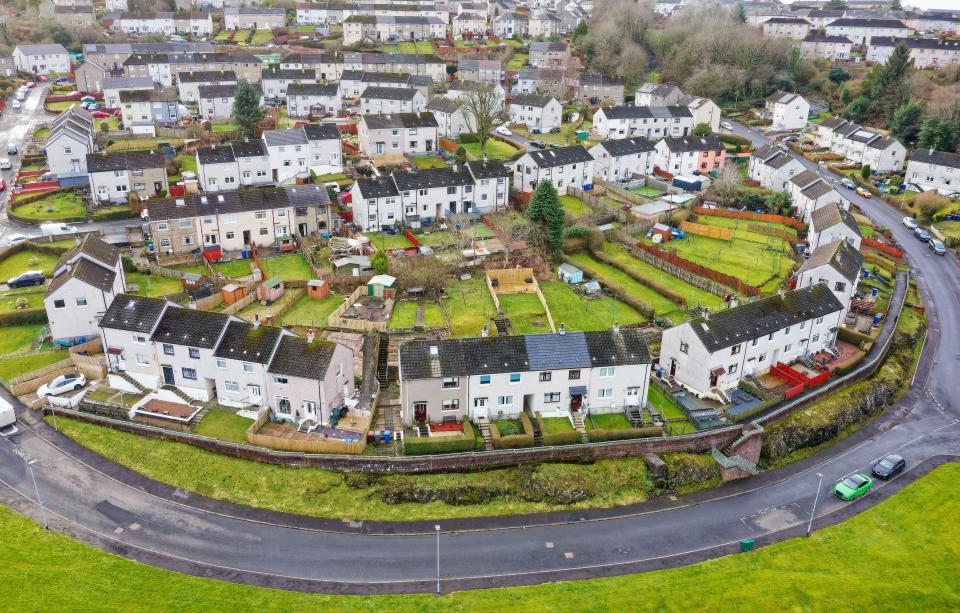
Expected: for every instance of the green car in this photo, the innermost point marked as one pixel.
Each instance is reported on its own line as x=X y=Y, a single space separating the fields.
x=853 y=487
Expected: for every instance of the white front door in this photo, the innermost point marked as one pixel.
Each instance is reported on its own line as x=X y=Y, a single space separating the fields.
x=480 y=408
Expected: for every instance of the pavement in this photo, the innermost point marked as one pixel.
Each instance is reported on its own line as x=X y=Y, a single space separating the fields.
x=111 y=507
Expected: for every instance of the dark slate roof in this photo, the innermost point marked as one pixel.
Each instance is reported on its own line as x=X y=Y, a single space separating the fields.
x=132 y=160
x=550 y=158
x=645 y=112
x=288 y=74
x=793 y=20
x=818 y=189
x=298 y=358
x=487 y=169
x=591 y=79
x=444 y=105
x=389 y=93
x=826 y=38
x=379 y=187
x=531 y=100
x=84 y=270
x=168 y=94
x=841 y=255
x=938 y=158
x=533 y=352
x=249 y=148
x=95 y=248
x=764 y=316
x=382 y=77
x=206 y=76
x=313 y=89
x=805 y=178
x=258 y=199
x=915 y=43
x=289 y=136
x=831 y=215
x=626 y=146
x=431 y=177
x=133 y=313
x=321 y=131
x=693 y=143
x=772 y=156
x=217 y=91
x=866 y=23
x=543 y=47
x=215 y=155
x=244 y=341
x=190 y=328
x=400 y=120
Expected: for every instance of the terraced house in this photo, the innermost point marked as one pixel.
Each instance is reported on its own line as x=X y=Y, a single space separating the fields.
x=189 y=82
x=145 y=109
x=861 y=30
x=295 y=152
x=650 y=122
x=537 y=113
x=861 y=145
x=837 y=265
x=773 y=168
x=318 y=99
x=690 y=155
x=620 y=159
x=113 y=176
x=481 y=379
x=275 y=81
x=254 y=17
x=164 y=68
x=398 y=134
x=929 y=169
x=389 y=28
x=924 y=52
x=563 y=167
x=384 y=100
x=809 y=192
x=329 y=66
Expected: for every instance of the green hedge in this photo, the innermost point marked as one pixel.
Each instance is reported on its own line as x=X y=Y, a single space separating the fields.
x=118 y=212
x=442 y=444
x=597 y=435
x=46 y=248
x=34 y=197
x=853 y=337
x=467 y=138
x=754 y=411
x=842 y=370
x=23 y=317
x=557 y=438
x=732 y=139
x=513 y=441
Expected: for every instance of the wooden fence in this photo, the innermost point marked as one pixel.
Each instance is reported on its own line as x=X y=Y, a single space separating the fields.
x=597 y=205
x=210 y=302
x=768 y=217
x=691 y=227
x=30 y=382
x=241 y=304
x=337 y=320
x=620 y=192
x=778 y=232
x=882 y=247
x=723 y=279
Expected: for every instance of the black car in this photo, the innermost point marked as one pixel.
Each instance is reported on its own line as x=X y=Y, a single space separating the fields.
x=27 y=279
x=539 y=144
x=889 y=466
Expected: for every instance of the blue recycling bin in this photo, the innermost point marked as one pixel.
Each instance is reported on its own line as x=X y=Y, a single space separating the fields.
x=386 y=436
x=873 y=292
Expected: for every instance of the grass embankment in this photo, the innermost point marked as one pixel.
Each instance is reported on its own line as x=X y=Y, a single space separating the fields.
x=11 y=368
x=404 y=316
x=525 y=312
x=25 y=260
x=16 y=339
x=799 y=574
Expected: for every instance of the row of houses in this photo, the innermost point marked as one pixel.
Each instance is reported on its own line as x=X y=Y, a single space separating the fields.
x=779 y=171
x=193 y=23
x=861 y=145
x=857 y=30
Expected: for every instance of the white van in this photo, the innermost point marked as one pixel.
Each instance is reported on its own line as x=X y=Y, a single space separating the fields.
x=8 y=419
x=57 y=229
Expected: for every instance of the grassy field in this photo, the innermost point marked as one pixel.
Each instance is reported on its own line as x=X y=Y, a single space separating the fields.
x=578 y=313
x=388 y=242
x=496 y=150
x=661 y=305
x=525 y=313
x=288 y=267
x=799 y=574
x=224 y=425
x=16 y=339
x=576 y=206
x=432 y=161
x=11 y=368
x=25 y=260
x=607 y=421
x=469 y=305
x=310 y=312
x=517 y=61
x=58 y=207
x=154 y=285
x=405 y=315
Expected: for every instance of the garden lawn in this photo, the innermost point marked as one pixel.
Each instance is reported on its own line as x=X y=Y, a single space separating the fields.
x=439 y=238
x=16 y=339
x=11 y=368
x=525 y=313
x=608 y=421
x=10 y=298
x=42 y=133
x=429 y=161
x=608 y=274
x=224 y=425
x=312 y=313
x=496 y=150
x=233 y=268
x=154 y=285
x=576 y=206
x=470 y=306
x=188 y=162
x=518 y=61
x=113 y=123
x=404 y=315
x=693 y=295
x=651 y=192
x=288 y=267
x=222 y=127
x=798 y=574
x=63 y=206
x=388 y=242
x=261 y=37
x=25 y=260
x=556 y=425
x=257 y=311
x=566 y=135
x=579 y=314
x=142 y=143
x=664 y=405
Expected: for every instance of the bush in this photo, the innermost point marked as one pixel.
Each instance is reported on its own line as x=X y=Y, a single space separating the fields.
x=23 y=317
x=442 y=444
x=598 y=435
x=690 y=469
x=119 y=212
x=733 y=139
x=467 y=138
x=513 y=441
x=853 y=337
x=509 y=429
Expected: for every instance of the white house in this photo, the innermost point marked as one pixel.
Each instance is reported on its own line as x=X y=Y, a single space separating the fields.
x=217 y=169
x=398 y=134
x=382 y=28
x=510 y=24
x=836 y=265
x=482 y=71
x=85 y=282
x=481 y=379
x=461 y=89
x=787 y=111
x=773 y=168
x=295 y=152
x=930 y=169
x=793 y=28
x=189 y=82
x=114 y=175
x=654 y=94
x=832 y=223
x=216 y=101
x=305 y=99
x=861 y=145
x=42 y=59
x=377 y=100
x=621 y=159
x=809 y=192
x=703 y=110
x=537 y=113
x=274 y=81
x=564 y=166
x=112 y=86
x=924 y=52
x=709 y=355
x=450 y=116
x=71 y=139
x=650 y=122
x=545 y=54
x=469 y=23
x=861 y=30
x=822 y=46
x=376 y=203
x=259 y=18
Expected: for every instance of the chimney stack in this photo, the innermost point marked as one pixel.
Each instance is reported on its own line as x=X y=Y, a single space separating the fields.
x=256 y=321
x=311 y=335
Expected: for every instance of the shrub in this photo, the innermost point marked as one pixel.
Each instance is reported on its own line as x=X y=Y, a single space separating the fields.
x=467 y=138
x=23 y=317
x=599 y=435
x=690 y=469
x=513 y=441
x=509 y=429
x=853 y=337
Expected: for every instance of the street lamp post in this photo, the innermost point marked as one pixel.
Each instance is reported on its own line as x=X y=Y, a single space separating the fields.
x=437 y=528
x=815 y=500
x=36 y=490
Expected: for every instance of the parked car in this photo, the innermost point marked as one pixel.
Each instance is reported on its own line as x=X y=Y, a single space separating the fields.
x=62 y=80
x=889 y=466
x=910 y=223
x=848 y=183
x=726 y=125
x=16 y=239
x=63 y=383
x=504 y=131
x=853 y=487
x=5 y=164
x=101 y=114
x=864 y=192
x=31 y=85
x=16 y=106
x=539 y=144
x=3 y=185
x=921 y=234
x=937 y=247
x=57 y=229
x=43 y=78
x=27 y=279
x=793 y=138
x=12 y=149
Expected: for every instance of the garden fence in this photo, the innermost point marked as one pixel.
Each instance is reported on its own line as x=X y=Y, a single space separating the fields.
x=768 y=217
x=726 y=280
x=778 y=232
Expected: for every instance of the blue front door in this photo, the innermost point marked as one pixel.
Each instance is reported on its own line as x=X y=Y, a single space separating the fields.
x=168 y=375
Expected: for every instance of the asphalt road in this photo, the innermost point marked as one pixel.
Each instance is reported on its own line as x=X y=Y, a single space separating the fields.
x=107 y=506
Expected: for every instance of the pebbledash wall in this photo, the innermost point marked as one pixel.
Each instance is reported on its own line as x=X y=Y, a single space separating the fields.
x=701 y=442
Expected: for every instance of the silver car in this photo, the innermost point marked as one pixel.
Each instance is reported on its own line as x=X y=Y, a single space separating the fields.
x=910 y=223
x=63 y=383
x=937 y=247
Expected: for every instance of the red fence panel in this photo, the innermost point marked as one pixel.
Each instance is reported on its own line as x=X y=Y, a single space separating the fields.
x=885 y=248
x=412 y=238
x=769 y=217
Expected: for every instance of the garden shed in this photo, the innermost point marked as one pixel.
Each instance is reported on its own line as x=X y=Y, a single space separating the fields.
x=193 y=280
x=317 y=289
x=570 y=274
x=233 y=292
x=270 y=290
x=382 y=286
x=661 y=230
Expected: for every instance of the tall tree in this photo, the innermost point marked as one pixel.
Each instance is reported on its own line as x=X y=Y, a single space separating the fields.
x=546 y=211
x=838 y=75
x=246 y=109
x=906 y=120
x=938 y=133
x=481 y=106
x=702 y=129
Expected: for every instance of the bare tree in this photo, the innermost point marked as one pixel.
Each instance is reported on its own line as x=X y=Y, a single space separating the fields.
x=482 y=104
x=727 y=185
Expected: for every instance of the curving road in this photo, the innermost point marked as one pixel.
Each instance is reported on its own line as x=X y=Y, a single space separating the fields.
x=112 y=508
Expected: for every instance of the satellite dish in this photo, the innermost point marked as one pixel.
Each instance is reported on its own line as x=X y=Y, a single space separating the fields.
x=657 y=239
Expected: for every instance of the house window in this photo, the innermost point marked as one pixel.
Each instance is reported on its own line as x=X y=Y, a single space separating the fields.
x=605 y=392
x=162 y=225
x=573 y=375
x=280 y=379
x=505 y=401
x=247 y=367
x=514 y=377
x=552 y=397
x=545 y=376
x=167 y=349
x=189 y=373
x=194 y=353
x=732 y=369
x=140 y=339
x=606 y=372
x=819 y=321
x=787 y=348
x=264 y=231
x=230 y=235
x=142 y=359
x=185 y=223
x=450 y=382
x=283 y=405
x=770 y=338
x=221 y=363
x=451 y=404
x=484 y=379
x=839 y=287
x=81 y=301
x=815 y=338
x=684 y=347
x=231 y=386
x=59 y=304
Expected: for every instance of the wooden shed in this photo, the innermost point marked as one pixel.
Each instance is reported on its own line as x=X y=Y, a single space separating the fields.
x=661 y=230
x=270 y=290
x=318 y=289
x=382 y=286
x=233 y=292
x=192 y=280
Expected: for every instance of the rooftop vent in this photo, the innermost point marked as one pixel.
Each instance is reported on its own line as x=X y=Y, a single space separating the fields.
x=434 y=350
